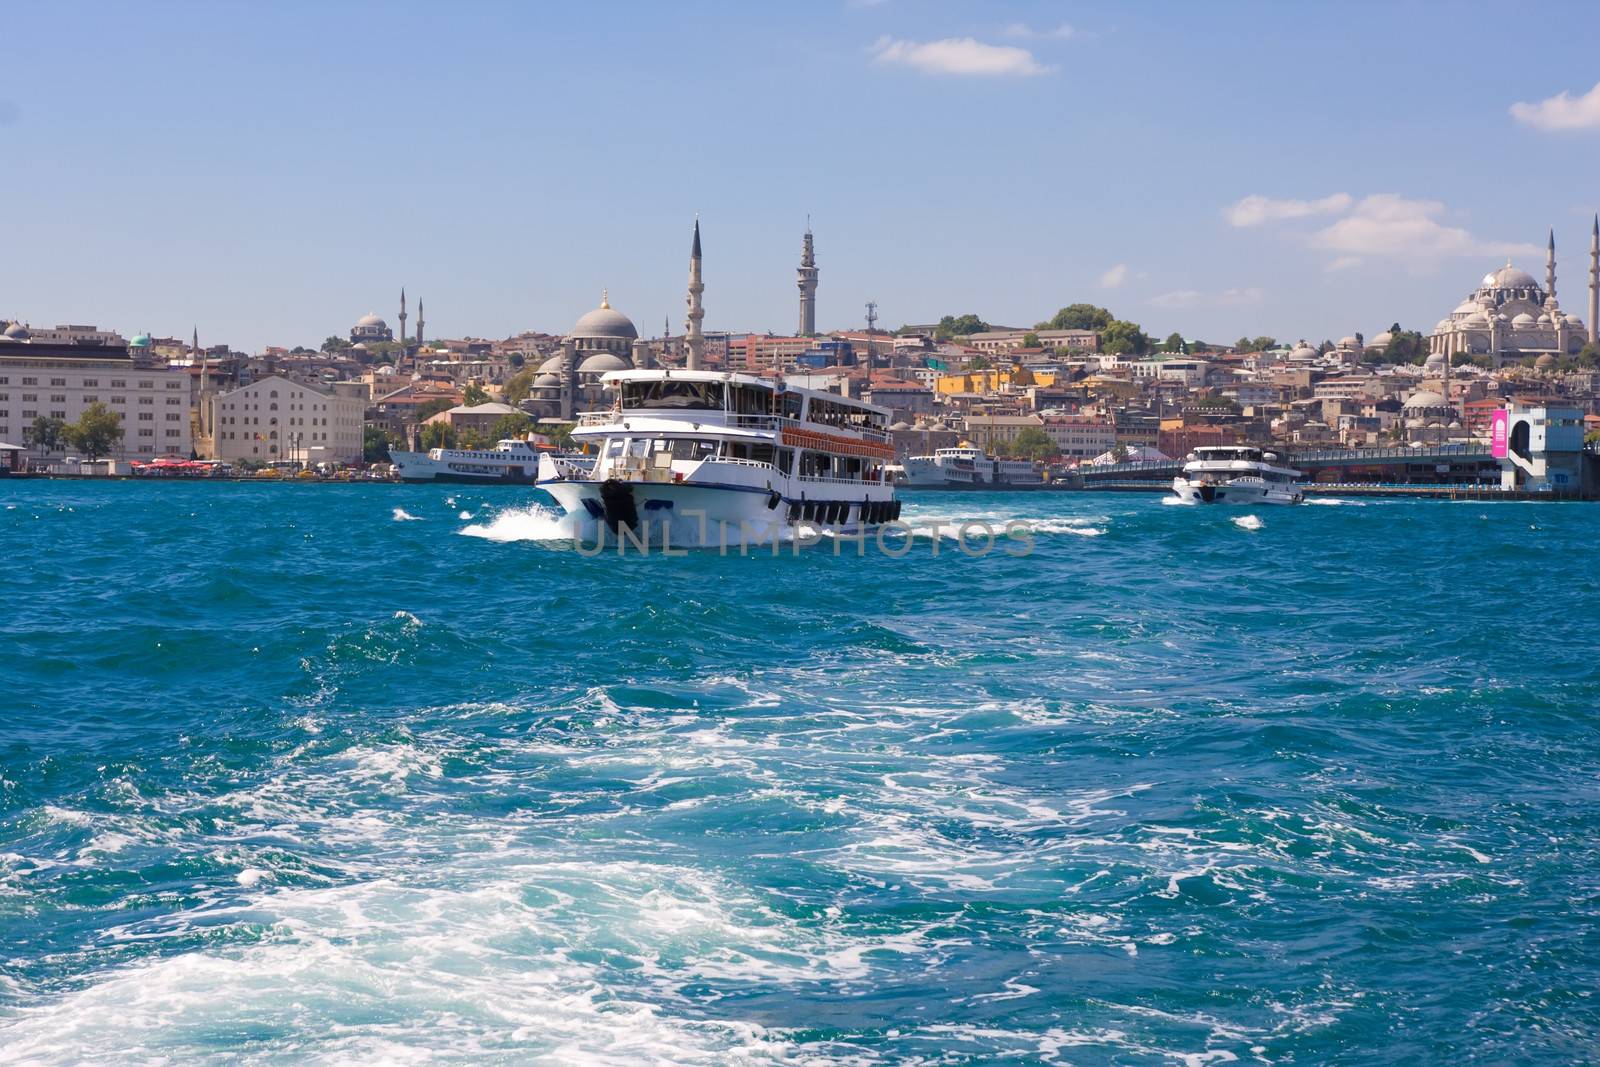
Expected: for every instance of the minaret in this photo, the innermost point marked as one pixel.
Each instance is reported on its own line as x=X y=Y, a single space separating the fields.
x=666 y=339
x=402 y=318
x=1594 y=282
x=419 y=324
x=806 y=278
x=1550 y=267
x=693 y=339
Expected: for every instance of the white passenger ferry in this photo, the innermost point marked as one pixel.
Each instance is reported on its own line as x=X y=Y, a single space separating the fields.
x=729 y=457
x=967 y=467
x=1236 y=474
x=511 y=461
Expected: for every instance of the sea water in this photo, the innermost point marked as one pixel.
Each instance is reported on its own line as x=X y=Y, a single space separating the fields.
x=394 y=774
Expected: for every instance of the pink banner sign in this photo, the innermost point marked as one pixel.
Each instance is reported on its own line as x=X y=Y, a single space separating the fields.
x=1497 y=433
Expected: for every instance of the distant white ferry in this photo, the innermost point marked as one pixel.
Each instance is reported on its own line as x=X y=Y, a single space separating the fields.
x=512 y=461
x=1236 y=475
x=731 y=454
x=967 y=467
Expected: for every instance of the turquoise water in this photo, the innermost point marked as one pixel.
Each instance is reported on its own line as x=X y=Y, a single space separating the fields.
x=362 y=774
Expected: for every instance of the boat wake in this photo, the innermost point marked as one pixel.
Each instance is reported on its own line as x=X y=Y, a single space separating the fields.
x=402 y=515
x=1248 y=522
x=535 y=522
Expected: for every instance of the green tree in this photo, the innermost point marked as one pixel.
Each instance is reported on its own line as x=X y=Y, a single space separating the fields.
x=1033 y=443
x=1173 y=343
x=517 y=360
x=518 y=386
x=428 y=409
x=508 y=426
x=46 y=434
x=560 y=435
x=959 y=326
x=474 y=394
x=979 y=363
x=1120 y=338
x=334 y=345
x=374 y=444
x=1255 y=344
x=1030 y=340
x=1589 y=357
x=96 y=432
x=1079 y=317
x=437 y=435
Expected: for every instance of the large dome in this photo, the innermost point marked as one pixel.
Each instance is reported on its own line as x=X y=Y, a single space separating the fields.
x=1424 y=400
x=371 y=319
x=604 y=321
x=551 y=365
x=1509 y=277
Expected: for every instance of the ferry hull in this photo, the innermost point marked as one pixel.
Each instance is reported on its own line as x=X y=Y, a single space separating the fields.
x=421 y=467
x=692 y=515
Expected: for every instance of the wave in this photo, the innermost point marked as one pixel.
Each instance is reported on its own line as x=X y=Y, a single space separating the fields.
x=1248 y=522
x=402 y=515
x=536 y=522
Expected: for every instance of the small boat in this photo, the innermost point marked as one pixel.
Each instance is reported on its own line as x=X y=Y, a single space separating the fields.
x=513 y=461
x=967 y=467
x=1236 y=474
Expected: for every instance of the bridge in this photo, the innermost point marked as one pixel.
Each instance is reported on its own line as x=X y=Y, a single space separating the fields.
x=1468 y=463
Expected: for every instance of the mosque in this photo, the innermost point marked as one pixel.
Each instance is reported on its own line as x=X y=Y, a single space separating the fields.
x=606 y=340
x=1510 y=317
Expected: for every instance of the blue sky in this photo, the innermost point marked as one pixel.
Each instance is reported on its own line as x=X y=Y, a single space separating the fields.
x=270 y=172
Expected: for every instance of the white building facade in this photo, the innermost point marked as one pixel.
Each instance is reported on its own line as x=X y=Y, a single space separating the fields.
x=39 y=379
x=276 y=420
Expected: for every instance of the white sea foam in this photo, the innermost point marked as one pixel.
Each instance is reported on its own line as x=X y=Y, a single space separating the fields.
x=465 y=515
x=402 y=515
x=1248 y=522
x=533 y=523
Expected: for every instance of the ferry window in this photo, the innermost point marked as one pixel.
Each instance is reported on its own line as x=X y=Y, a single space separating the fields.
x=792 y=403
x=785 y=460
x=672 y=393
x=762 y=453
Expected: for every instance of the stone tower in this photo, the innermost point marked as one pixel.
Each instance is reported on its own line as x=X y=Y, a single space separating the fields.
x=693 y=339
x=419 y=324
x=806 y=278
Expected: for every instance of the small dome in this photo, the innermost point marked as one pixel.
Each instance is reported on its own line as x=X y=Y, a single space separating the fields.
x=17 y=332
x=547 y=381
x=1381 y=341
x=1303 y=351
x=1477 y=318
x=140 y=341
x=900 y=426
x=1349 y=342
x=1523 y=320
x=601 y=362
x=551 y=365
x=1545 y=362
x=1434 y=360
x=1466 y=307
x=1443 y=326
x=604 y=321
x=370 y=319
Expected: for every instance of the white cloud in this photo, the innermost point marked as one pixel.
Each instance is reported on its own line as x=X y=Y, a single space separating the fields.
x=1114 y=277
x=1189 y=298
x=1562 y=111
x=1386 y=224
x=1255 y=210
x=1065 y=31
x=959 y=55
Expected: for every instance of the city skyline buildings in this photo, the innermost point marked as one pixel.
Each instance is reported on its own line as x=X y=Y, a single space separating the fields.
x=1183 y=198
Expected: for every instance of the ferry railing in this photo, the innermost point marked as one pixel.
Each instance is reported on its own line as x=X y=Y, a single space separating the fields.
x=734 y=419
